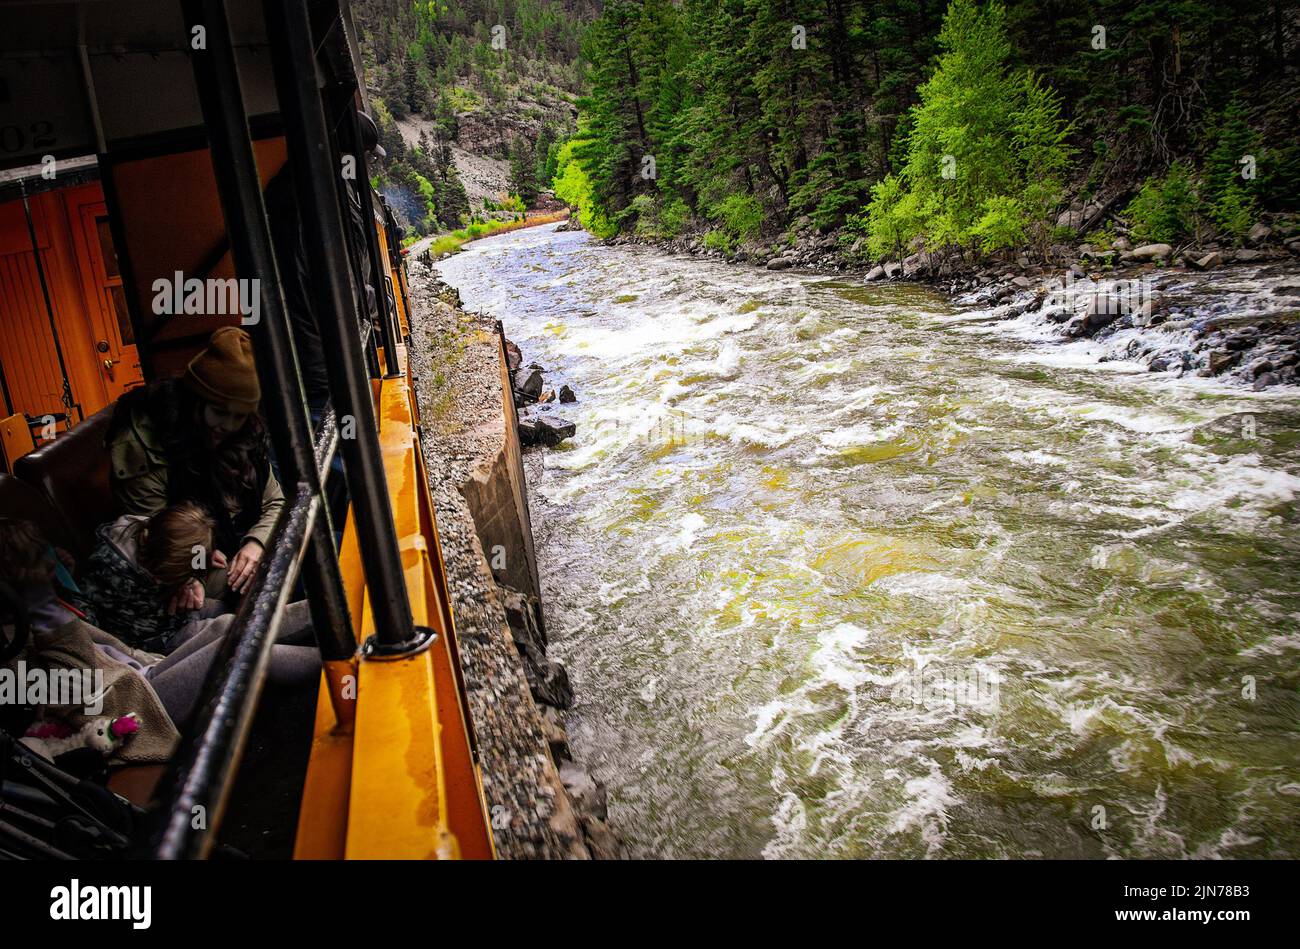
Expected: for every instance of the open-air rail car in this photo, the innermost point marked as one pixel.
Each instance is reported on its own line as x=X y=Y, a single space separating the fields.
x=136 y=140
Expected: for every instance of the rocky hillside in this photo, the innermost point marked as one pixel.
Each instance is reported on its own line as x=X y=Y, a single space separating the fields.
x=470 y=97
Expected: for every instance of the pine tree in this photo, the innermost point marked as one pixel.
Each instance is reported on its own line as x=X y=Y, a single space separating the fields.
x=523 y=172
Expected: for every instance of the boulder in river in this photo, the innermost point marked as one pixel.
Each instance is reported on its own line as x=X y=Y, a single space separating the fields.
x=1223 y=361
x=780 y=263
x=567 y=394
x=1103 y=309
x=875 y=273
x=528 y=383
x=588 y=796
x=1209 y=261
x=554 y=430
x=528 y=432
x=542 y=428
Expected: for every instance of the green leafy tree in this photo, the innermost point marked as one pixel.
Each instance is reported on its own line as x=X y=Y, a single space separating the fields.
x=1164 y=210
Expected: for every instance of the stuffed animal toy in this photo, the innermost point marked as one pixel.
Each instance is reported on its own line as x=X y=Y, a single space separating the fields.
x=51 y=739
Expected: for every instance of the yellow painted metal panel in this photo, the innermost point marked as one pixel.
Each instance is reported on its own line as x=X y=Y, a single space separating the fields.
x=323 y=815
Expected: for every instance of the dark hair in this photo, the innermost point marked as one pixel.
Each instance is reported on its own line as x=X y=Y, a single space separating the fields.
x=23 y=558
x=228 y=479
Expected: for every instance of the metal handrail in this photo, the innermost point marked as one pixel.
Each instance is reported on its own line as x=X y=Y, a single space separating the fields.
x=327 y=439
x=221 y=100
x=203 y=769
x=315 y=168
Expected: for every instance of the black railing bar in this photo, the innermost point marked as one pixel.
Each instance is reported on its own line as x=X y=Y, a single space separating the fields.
x=366 y=334
x=327 y=439
x=315 y=170
x=27 y=840
x=216 y=78
x=388 y=330
x=203 y=769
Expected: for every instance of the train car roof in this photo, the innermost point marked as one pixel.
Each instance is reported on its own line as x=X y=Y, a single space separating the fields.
x=94 y=76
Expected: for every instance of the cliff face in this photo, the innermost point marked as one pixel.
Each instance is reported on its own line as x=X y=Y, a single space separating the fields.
x=469 y=96
x=480 y=149
x=542 y=804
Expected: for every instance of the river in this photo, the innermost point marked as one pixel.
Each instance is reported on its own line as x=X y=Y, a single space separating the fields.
x=839 y=570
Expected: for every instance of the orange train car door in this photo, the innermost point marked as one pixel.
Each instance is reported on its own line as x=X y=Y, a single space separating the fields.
x=101 y=277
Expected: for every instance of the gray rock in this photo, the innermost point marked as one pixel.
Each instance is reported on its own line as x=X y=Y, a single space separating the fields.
x=1023 y=283
x=553 y=430
x=601 y=841
x=1220 y=362
x=1103 y=309
x=567 y=394
x=915 y=263
x=875 y=273
x=1259 y=233
x=528 y=383
x=1121 y=243
x=1245 y=255
x=780 y=263
x=1266 y=380
x=529 y=433
x=1151 y=252
x=521 y=615
x=1072 y=219
x=892 y=269
x=1209 y=261
x=554 y=732
x=1242 y=339
x=1259 y=366
x=548 y=681
x=588 y=796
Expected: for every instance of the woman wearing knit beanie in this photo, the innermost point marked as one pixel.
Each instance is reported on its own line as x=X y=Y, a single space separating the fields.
x=199 y=438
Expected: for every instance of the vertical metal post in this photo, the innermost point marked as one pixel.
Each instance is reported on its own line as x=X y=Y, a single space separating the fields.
x=387 y=318
x=315 y=169
x=217 y=79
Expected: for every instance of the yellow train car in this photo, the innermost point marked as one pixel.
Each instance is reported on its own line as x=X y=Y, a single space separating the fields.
x=139 y=143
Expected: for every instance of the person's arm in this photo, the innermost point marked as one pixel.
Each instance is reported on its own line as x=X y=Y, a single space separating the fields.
x=142 y=494
x=138 y=472
x=243 y=566
x=272 y=502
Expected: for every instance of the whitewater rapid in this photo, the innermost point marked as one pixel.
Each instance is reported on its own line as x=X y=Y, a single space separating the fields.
x=840 y=571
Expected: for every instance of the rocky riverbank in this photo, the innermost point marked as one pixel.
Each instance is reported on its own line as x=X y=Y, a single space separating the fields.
x=542 y=803
x=1210 y=310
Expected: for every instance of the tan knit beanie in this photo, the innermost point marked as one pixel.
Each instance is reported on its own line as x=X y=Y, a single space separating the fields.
x=224 y=374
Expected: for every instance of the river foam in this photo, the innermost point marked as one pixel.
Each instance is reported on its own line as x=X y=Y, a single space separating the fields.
x=844 y=571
